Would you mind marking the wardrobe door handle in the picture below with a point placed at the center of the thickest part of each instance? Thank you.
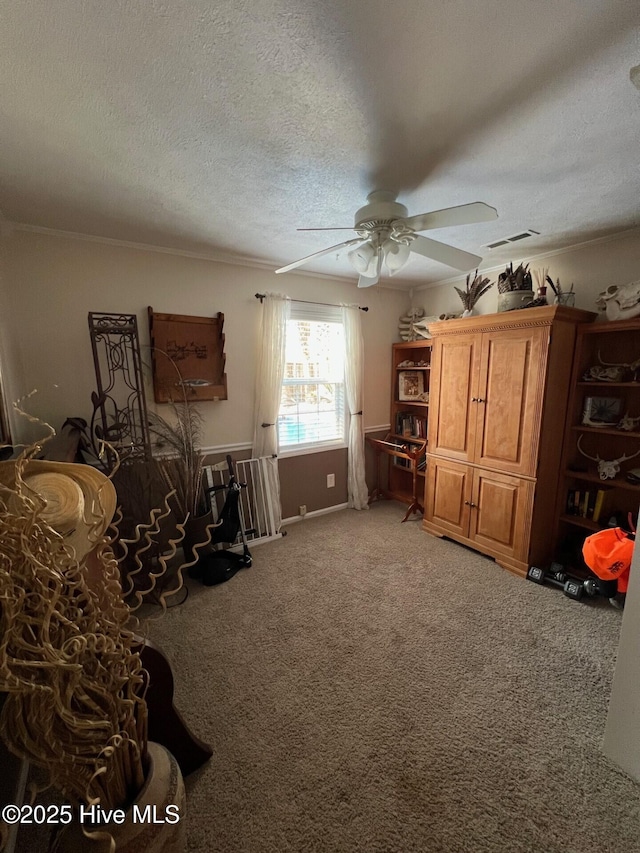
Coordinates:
(469, 503)
(474, 399)
(480, 400)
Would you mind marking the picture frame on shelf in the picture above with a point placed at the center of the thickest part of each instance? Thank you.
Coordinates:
(601, 411)
(410, 386)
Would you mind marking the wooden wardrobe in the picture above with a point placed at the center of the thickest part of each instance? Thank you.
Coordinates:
(498, 397)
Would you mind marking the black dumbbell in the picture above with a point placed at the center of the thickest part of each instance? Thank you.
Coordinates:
(591, 586)
(536, 574)
(542, 576)
(572, 587)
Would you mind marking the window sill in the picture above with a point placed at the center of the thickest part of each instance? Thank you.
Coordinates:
(303, 450)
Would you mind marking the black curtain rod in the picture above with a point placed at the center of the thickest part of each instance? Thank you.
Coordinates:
(261, 296)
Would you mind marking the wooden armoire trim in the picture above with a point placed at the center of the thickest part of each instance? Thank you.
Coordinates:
(522, 318)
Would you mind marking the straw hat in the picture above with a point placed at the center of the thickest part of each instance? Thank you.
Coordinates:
(79, 500)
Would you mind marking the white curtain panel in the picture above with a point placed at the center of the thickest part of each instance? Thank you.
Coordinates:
(270, 373)
(357, 492)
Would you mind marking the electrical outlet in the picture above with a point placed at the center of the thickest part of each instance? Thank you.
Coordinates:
(331, 480)
(302, 509)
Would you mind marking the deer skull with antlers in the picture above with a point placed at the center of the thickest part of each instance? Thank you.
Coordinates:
(607, 469)
(608, 371)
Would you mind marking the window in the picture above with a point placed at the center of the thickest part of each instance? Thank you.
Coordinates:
(312, 405)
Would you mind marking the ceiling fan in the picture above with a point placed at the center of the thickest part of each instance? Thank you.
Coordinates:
(386, 235)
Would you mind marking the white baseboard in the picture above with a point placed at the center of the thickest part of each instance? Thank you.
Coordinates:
(324, 511)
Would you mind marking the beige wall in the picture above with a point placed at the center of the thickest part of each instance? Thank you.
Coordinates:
(51, 282)
(591, 268)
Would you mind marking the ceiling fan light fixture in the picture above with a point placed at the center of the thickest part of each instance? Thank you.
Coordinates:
(364, 259)
(396, 255)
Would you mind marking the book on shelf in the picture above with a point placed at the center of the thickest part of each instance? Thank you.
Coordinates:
(603, 504)
(410, 425)
(399, 462)
(591, 504)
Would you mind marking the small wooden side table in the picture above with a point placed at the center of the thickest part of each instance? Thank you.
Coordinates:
(412, 452)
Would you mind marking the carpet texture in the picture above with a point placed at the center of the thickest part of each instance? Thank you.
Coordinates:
(367, 687)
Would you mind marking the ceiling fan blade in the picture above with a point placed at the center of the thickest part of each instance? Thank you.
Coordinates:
(445, 254)
(322, 252)
(464, 214)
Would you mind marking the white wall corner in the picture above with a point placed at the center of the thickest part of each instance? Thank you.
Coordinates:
(622, 732)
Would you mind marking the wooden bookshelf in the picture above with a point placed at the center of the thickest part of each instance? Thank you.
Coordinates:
(403, 450)
(616, 343)
(409, 417)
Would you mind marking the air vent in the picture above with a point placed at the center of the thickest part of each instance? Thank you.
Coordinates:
(523, 235)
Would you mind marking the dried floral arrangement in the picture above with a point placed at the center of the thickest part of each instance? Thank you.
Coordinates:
(474, 290)
(557, 288)
(178, 441)
(543, 279)
(69, 651)
(518, 279)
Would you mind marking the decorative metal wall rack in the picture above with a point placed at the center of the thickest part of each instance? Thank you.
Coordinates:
(120, 399)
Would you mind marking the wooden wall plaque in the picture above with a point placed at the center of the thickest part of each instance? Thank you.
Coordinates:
(187, 355)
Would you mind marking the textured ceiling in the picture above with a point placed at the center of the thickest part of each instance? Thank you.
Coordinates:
(221, 127)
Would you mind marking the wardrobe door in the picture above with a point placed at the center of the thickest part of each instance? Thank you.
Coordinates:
(509, 400)
(448, 496)
(501, 508)
(452, 416)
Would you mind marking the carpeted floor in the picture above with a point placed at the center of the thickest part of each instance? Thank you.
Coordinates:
(367, 687)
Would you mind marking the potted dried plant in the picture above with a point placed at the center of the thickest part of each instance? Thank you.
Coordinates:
(515, 287)
(70, 662)
(473, 291)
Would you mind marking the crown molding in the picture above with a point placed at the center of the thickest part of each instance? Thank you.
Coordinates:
(218, 257)
(215, 257)
(406, 285)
